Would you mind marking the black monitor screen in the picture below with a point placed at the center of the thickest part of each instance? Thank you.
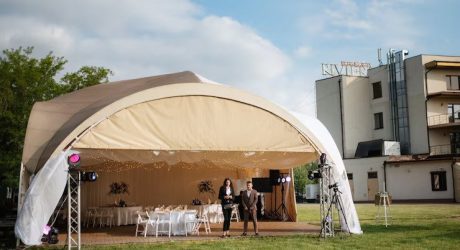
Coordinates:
(262, 185)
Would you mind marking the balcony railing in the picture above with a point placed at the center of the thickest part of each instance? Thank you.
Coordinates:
(447, 149)
(442, 119)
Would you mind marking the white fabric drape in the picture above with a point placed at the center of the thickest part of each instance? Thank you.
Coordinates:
(41, 199)
(319, 134)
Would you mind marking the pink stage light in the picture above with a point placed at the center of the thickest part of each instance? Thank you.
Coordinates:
(73, 160)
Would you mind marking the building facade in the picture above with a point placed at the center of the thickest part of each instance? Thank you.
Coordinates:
(398, 128)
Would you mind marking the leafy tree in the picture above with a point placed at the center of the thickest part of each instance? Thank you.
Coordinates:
(84, 77)
(25, 80)
(301, 177)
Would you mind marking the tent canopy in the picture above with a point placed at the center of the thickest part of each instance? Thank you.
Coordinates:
(172, 120)
(151, 114)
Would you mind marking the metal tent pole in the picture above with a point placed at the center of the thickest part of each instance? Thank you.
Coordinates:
(327, 226)
(73, 207)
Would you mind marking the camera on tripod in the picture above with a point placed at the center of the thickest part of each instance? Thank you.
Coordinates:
(335, 187)
(316, 174)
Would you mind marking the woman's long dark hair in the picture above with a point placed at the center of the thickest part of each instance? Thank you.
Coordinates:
(225, 184)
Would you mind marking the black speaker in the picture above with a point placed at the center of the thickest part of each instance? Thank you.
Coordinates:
(261, 206)
(274, 175)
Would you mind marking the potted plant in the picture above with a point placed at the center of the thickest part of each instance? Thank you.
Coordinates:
(205, 187)
(119, 189)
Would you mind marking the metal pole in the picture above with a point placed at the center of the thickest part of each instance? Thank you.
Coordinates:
(73, 202)
(327, 228)
(79, 211)
(69, 212)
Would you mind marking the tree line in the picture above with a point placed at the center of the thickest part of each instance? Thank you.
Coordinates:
(24, 80)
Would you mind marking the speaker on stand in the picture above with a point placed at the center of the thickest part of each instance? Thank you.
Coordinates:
(274, 176)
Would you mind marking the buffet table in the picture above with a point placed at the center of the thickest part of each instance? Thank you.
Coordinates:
(125, 215)
(177, 219)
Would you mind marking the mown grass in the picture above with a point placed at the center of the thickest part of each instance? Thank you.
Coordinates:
(414, 226)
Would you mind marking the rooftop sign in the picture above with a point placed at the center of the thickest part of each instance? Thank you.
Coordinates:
(345, 68)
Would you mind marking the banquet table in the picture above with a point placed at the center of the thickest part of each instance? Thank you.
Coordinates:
(177, 222)
(214, 212)
(125, 215)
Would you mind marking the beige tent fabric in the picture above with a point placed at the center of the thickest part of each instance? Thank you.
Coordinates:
(76, 121)
(117, 158)
(167, 123)
(195, 123)
(52, 121)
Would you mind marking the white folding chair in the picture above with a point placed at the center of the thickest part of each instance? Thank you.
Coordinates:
(97, 216)
(164, 218)
(152, 220)
(89, 216)
(141, 221)
(106, 217)
(235, 213)
(220, 214)
(202, 220)
(190, 218)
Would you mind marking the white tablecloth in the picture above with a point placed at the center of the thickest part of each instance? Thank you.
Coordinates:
(125, 215)
(177, 224)
(214, 212)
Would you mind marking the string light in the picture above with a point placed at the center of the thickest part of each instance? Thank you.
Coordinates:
(110, 160)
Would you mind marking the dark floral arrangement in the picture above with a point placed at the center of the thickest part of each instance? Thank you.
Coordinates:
(118, 188)
(206, 187)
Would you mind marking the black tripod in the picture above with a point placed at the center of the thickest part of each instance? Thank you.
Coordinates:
(282, 209)
(336, 199)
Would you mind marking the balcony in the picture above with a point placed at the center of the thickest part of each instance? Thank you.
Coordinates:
(448, 94)
(447, 149)
(443, 121)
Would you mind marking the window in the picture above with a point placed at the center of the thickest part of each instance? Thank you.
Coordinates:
(377, 89)
(372, 175)
(453, 82)
(454, 142)
(378, 120)
(438, 181)
(453, 111)
(350, 176)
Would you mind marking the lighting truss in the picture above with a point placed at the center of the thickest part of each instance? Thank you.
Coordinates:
(325, 199)
(73, 206)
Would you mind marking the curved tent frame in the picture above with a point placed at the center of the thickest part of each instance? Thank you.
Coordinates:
(55, 125)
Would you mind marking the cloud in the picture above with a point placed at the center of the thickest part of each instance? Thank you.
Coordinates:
(144, 38)
(380, 22)
(303, 51)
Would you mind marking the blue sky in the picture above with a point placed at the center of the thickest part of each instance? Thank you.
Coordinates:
(270, 48)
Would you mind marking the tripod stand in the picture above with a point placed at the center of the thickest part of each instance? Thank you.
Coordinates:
(337, 200)
(282, 209)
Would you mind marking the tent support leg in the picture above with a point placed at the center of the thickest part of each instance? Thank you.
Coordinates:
(327, 226)
(73, 206)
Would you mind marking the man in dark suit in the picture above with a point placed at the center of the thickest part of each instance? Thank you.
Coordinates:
(249, 200)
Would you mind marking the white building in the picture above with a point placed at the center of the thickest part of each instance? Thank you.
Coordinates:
(398, 127)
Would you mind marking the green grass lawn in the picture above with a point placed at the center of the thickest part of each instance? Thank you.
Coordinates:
(414, 226)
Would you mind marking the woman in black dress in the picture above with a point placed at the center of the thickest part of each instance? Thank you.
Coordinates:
(226, 195)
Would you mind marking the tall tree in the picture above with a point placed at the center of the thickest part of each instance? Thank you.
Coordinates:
(25, 80)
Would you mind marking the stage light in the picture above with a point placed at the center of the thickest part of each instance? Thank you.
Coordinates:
(89, 176)
(50, 235)
(283, 180)
(288, 178)
(314, 174)
(73, 160)
(322, 159)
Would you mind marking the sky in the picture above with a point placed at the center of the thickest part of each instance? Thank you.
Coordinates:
(270, 48)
